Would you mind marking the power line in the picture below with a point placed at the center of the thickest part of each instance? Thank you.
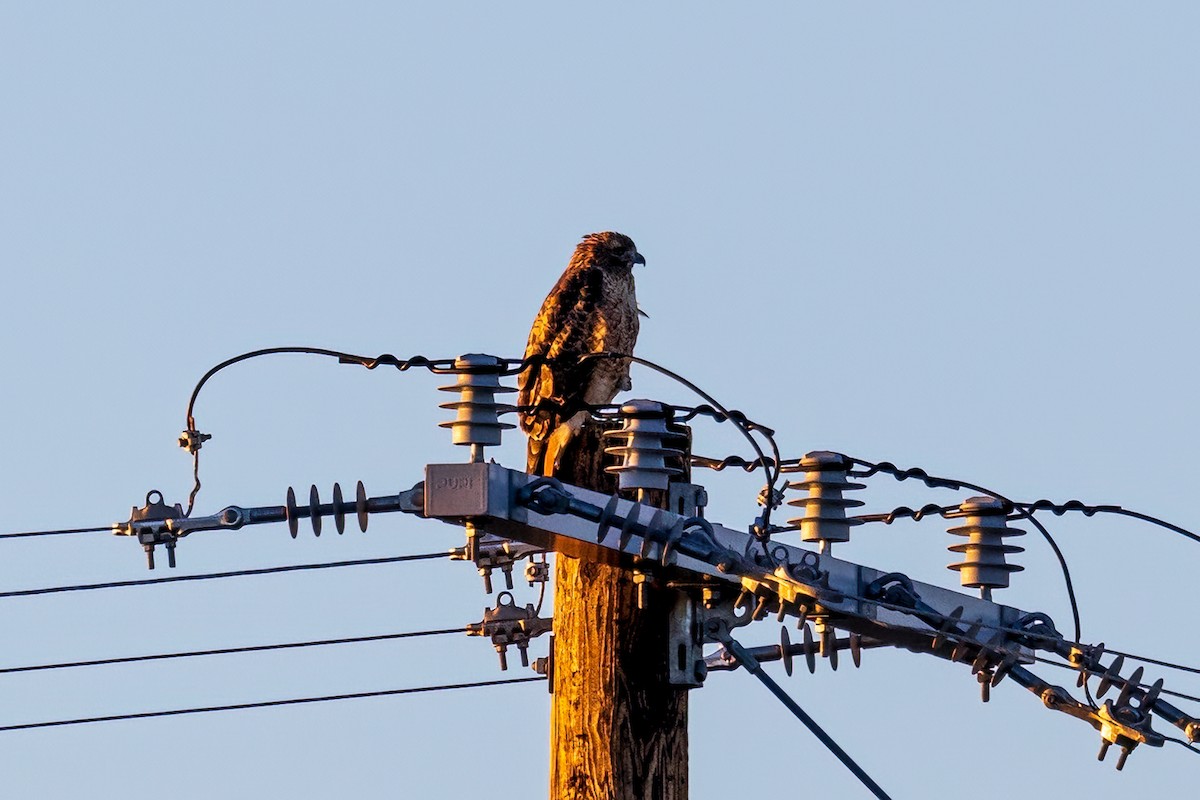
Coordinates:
(1064, 665)
(1089, 510)
(175, 712)
(935, 482)
(228, 650)
(213, 575)
(1020, 632)
(59, 532)
(751, 664)
(1156, 661)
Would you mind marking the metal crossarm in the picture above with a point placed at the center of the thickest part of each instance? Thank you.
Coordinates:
(879, 608)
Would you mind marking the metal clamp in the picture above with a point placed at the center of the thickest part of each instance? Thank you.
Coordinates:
(506, 624)
(150, 524)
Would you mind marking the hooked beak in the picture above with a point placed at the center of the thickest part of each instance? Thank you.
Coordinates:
(638, 258)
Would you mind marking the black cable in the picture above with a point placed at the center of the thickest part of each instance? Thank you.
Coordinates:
(191, 429)
(904, 512)
(59, 532)
(935, 482)
(1019, 632)
(1151, 520)
(1157, 662)
(770, 468)
(211, 575)
(266, 351)
(719, 465)
(1058, 509)
(264, 704)
(228, 650)
(1191, 748)
(1097, 673)
(752, 665)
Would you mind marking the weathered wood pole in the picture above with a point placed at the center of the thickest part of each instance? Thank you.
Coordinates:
(618, 729)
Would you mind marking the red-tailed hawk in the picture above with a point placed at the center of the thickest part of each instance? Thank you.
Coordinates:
(591, 309)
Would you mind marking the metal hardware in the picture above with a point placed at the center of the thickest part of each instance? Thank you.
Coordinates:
(162, 524)
(537, 571)
(492, 552)
(506, 625)
(787, 650)
(151, 524)
(685, 662)
(714, 563)
(192, 440)
(686, 499)
(545, 665)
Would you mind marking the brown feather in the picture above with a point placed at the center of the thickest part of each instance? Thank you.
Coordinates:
(592, 308)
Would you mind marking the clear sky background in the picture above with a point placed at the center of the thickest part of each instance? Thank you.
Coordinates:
(956, 236)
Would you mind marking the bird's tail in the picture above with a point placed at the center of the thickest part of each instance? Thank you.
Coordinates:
(535, 456)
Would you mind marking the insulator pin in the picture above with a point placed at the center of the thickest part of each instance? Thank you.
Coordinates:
(643, 453)
(984, 566)
(825, 507)
(477, 421)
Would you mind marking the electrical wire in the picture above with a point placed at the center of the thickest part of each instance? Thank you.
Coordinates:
(229, 362)
(1155, 661)
(264, 704)
(771, 468)
(342, 357)
(1144, 686)
(59, 532)
(193, 439)
(258, 648)
(1191, 748)
(541, 591)
(214, 575)
(753, 667)
(935, 482)
(1030, 634)
(1058, 509)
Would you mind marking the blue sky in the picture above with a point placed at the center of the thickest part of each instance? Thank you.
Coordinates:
(958, 236)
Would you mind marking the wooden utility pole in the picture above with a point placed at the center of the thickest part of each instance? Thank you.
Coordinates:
(618, 729)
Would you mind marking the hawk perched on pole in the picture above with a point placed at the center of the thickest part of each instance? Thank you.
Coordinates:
(591, 309)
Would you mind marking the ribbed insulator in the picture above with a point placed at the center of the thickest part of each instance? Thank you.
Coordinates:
(643, 452)
(986, 526)
(825, 507)
(477, 422)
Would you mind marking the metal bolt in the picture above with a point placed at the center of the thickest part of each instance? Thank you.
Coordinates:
(640, 578)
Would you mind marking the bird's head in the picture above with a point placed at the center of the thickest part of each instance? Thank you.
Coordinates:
(610, 249)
